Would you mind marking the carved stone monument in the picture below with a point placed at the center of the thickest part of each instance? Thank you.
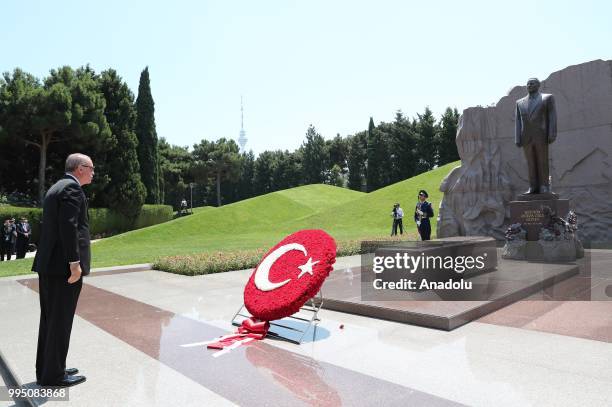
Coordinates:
(494, 172)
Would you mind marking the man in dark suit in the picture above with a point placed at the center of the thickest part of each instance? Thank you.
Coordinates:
(535, 129)
(63, 256)
(6, 234)
(23, 237)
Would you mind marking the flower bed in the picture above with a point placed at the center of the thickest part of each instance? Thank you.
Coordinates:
(219, 262)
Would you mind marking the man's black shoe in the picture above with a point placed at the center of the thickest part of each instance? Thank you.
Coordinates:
(68, 381)
(71, 371)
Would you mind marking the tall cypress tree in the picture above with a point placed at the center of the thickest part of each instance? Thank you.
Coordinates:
(378, 158)
(125, 192)
(147, 139)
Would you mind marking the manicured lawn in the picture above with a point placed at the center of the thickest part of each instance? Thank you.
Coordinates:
(262, 221)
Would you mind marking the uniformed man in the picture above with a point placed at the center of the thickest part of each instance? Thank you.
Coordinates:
(422, 213)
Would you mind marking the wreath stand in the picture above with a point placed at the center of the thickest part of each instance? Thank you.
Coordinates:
(310, 310)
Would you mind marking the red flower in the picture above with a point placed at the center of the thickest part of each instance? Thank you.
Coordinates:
(290, 274)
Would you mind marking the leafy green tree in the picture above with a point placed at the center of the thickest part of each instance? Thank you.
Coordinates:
(335, 176)
(125, 192)
(68, 107)
(18, 94)
(176, 167)
(146, 133)
(218, 160)
(447, 132)
(338, 152)
(314, 157)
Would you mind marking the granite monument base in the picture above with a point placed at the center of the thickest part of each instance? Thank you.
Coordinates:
(477, 255)
(530, 213)
(510, 282)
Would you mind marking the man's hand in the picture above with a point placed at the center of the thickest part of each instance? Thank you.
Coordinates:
(75, 273)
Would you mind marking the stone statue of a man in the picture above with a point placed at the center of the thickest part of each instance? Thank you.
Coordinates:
(536, 128)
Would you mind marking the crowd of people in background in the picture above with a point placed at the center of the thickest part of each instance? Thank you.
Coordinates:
(14, 238)
(422, 213)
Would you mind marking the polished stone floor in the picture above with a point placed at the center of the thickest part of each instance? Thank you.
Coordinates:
(553, 349)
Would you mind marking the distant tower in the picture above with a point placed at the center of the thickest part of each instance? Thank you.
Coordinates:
(242, 140)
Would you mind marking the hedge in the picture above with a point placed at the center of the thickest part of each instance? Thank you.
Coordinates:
(102, 221)
(218, 262)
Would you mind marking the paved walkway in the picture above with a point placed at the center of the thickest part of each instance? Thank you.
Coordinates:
(130, 328)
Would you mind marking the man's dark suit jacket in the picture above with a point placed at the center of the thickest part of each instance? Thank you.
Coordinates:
(538, 124)
(65, 230)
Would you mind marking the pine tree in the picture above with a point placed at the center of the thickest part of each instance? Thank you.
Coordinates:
(402, 142)
(356, 160)
(314, 156)
(426, 141)
(447, 132)
(148, 155)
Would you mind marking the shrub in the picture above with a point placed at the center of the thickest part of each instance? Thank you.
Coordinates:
(218, 262)
(102, 221)
(34, 216)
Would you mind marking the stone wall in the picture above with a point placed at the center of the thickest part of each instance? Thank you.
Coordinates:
(493, 170)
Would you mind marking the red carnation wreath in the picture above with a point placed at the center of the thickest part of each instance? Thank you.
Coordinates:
(290, 274)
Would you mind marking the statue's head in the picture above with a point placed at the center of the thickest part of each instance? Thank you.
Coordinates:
(533, 85)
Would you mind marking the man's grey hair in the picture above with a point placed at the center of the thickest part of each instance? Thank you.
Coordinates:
(74, 160)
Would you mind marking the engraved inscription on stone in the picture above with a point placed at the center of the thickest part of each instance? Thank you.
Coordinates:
(532, 217)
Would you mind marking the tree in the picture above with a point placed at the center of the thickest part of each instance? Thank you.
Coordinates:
(218, 160)
(125, 192)
(447, 132)
(148, 154)
(335, 176)
(338, 152)
(17, 106)
(377, 170)
(402, 142)
(286, 170)
(356, 160)
(425, 141)
(67, 107)
(262, 177)
(247, 172)
(314, 157)
(176, 165)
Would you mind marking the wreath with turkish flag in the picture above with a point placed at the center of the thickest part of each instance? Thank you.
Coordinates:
(290, 274)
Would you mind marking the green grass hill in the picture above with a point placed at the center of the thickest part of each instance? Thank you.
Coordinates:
(262, 221)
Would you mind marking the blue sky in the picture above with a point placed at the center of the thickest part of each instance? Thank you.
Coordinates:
(330, 63)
